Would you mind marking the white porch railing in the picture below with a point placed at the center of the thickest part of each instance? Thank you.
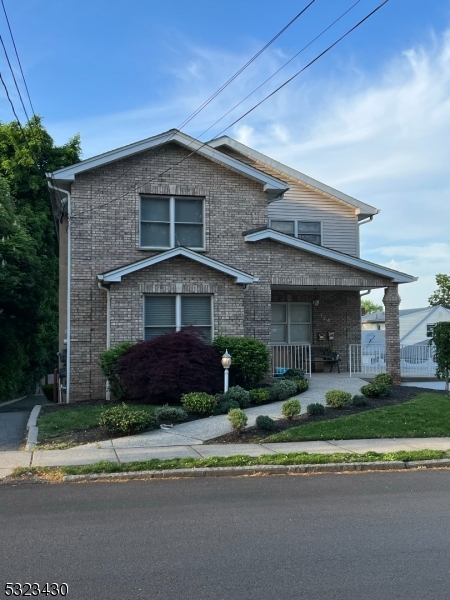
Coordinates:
(291, 356)
(371, 359)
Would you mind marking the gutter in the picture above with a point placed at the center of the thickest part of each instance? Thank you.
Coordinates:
(69, 277)
(105, 288)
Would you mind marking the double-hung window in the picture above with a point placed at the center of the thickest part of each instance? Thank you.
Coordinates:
(291, 323)
(166, 314)
(167, 222)
(309, 231)
(430, 327)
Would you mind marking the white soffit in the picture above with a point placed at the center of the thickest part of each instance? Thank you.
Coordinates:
(358, 263)
(116, 275)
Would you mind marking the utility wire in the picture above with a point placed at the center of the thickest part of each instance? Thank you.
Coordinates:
(14, 78)
(242, 116)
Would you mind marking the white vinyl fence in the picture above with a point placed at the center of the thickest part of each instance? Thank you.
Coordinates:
(291, 356)
(371, 359)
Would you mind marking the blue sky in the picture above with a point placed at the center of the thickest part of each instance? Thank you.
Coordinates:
(371, 118)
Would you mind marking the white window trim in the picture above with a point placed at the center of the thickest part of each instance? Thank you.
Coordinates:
(178, 297)
(430, 332)
(172, 200)
(296, 222)
(288, 323)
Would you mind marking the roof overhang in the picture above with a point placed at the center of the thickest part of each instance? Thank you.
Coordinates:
(363, 210)
(115, 276)
(273, 187)
(346, 259)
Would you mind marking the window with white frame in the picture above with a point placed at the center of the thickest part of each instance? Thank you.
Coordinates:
(309, 231)
(291, 323)
(167, 222)
(166, 314)
(430, 327)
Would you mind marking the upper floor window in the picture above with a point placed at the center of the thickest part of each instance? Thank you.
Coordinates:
(430, 327)
(309, 231)
(167, 222)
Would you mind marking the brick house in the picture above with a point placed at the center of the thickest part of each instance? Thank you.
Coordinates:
(169, 231)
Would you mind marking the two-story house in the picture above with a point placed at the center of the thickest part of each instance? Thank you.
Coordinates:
(169, 231)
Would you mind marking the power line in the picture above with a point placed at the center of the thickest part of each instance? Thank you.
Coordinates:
(242, 116)
(14, 78)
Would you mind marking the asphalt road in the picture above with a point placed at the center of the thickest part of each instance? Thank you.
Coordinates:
(361, 537)
(13, 422)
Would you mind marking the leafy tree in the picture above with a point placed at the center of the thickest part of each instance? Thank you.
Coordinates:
(29, 254)
(441, 340)
(371, 307)
(441, 297)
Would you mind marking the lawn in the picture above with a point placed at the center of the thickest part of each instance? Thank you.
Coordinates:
(427, 415)
(55, 424)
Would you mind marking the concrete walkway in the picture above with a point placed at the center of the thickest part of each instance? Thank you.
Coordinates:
(186, 440)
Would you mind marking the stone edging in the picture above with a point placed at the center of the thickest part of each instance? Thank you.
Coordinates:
(262, 469)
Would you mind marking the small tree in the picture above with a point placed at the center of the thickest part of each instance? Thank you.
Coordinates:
(370, 307)
(108, 360)
(441, 340)
(441, 297)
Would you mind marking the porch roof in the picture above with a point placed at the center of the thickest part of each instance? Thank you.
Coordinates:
(116, 275)
(340, 257)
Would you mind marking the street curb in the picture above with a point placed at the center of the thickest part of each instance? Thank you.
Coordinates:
(11, 401)
(32, 428)
(261, 469)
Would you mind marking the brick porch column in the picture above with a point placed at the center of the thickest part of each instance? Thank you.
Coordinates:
(391, 301)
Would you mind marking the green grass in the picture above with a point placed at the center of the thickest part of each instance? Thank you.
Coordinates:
(427, 415)
(54, 424)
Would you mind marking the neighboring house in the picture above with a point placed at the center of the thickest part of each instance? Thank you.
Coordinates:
(168, 232)
(416, 324)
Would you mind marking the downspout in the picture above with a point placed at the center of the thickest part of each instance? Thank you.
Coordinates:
(363, 222)
(108, 330)
(69, 274)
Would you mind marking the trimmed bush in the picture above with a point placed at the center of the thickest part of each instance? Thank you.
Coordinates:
(123, 420)
(225, 407)
(376, 390)
(302, 385)
(294, 374)
(291, 408)
(359, 400)
(199, 403)
(162, 369)
(172, 414)
(282, 389)
(265, 423)
(315, 409)
(259, 395)
(383, 378)
(47, 390)
(250, 358)
(337, 398)
(237, 418)
(109, 360)
(237, 394)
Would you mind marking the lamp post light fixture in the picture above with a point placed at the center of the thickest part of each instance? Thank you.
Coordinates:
(226, 363)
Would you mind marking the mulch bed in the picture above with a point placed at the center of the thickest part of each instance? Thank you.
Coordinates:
(399, 395)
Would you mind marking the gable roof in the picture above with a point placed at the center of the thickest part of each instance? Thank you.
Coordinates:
(363, 210)
(116, 275)
(379, 317)
(346, 259)
(273, 187)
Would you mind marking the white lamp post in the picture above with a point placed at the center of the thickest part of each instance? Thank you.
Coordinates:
(226, 363)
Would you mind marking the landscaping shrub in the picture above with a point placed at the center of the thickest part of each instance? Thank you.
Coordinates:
(376, 390)
(294, 374)
(199, 403)
(237, 394)
(108, 361)
(282, 389)
(171, 414)
(47, 390)
(164, 368)
(265, 423)
(359, 400)
(259, 395)
(237, 418)
(227, 405)
(315, 409)
(250, 358)
(337, 398)
(291, 408)
(123, 420)
(383, 378)
(302, 385)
